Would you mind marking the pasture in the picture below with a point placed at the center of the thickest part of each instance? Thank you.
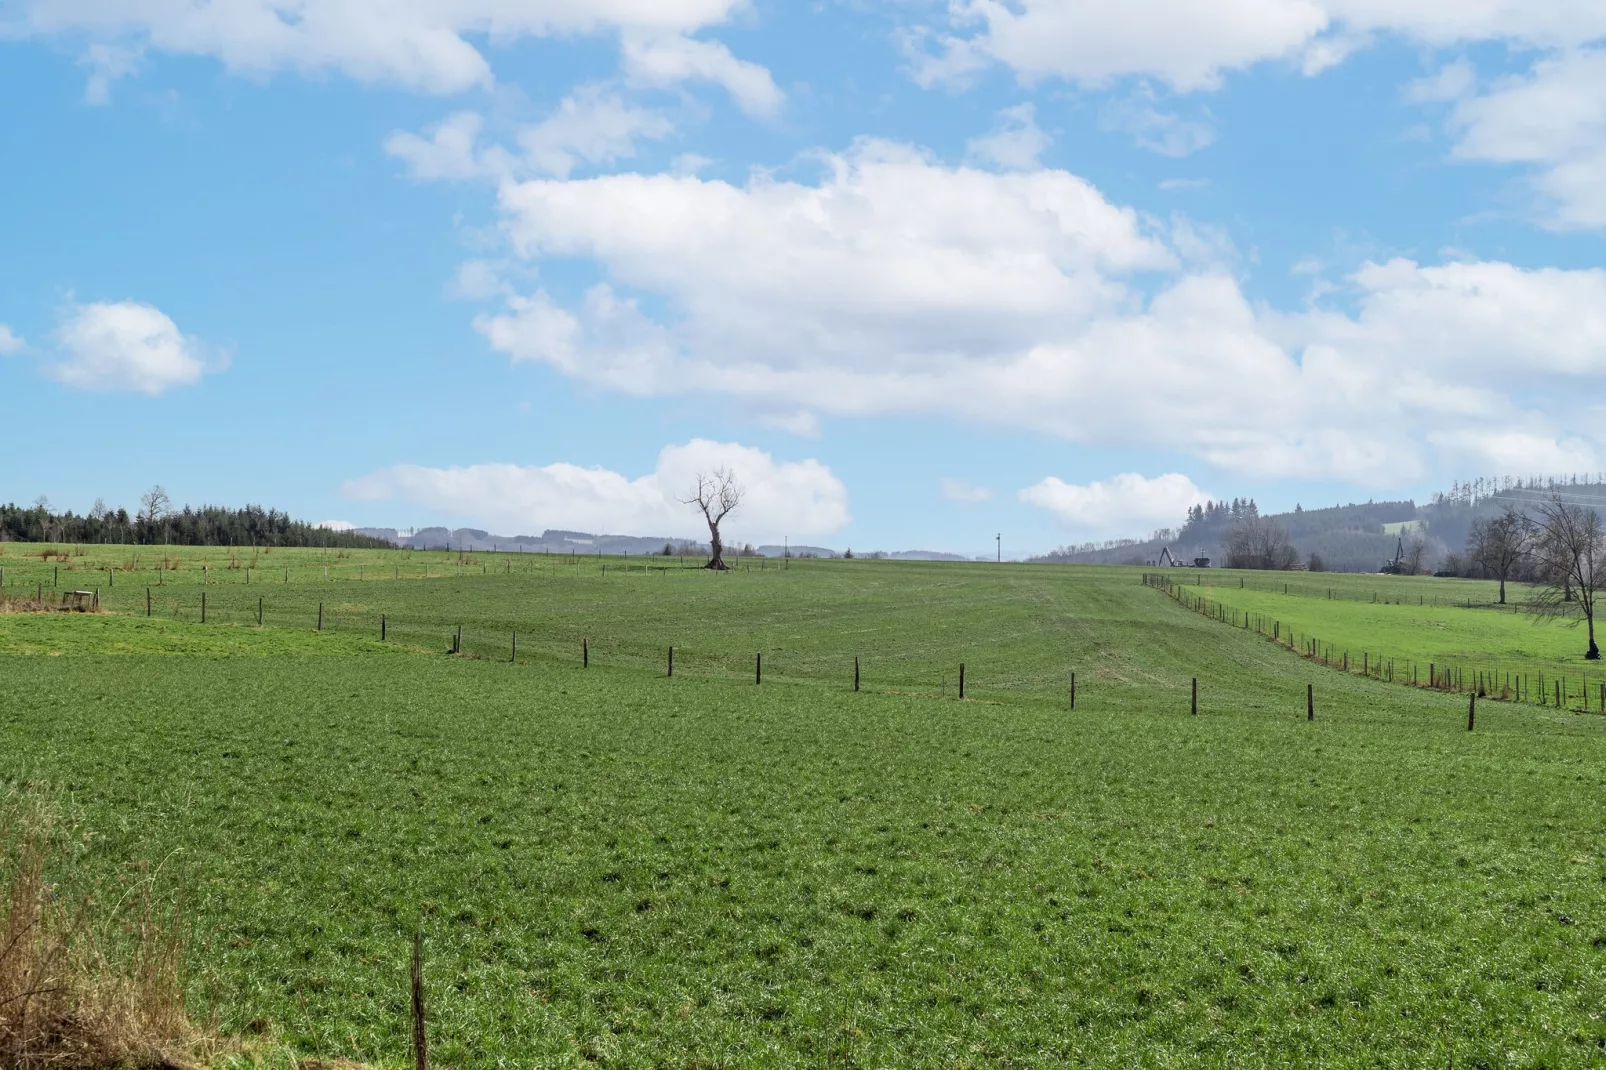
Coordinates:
(613, 867)
(1418, 625)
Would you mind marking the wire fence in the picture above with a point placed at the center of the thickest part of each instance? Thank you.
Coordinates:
(1384, 590)
(167, 568)
(485, 620)
(1507, 684)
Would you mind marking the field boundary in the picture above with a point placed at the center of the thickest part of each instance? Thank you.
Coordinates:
(1489, 682)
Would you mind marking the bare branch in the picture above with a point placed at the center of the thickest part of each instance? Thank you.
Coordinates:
(716, 494)
(1570, 552)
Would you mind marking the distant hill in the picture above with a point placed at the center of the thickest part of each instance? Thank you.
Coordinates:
(558, 541)
(1349, 538)
(551, 541)
(796, 550)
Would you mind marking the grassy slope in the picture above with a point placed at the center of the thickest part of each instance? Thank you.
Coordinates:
(640, 871)
(1406, 626)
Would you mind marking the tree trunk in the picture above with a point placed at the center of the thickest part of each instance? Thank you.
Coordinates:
(1502, 590)
(716, 547)
(1594, 651)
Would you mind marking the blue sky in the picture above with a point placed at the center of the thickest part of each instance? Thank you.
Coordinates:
(918, 272)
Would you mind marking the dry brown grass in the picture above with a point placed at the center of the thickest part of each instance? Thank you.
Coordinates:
(8, 604)
(85, 984)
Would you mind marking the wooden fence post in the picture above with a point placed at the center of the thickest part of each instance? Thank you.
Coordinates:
(1310, 702)
(1195, 709)
(585, 653)
(203, 607)
(1073, 690)
(758, 668)
(420, 1033)
(259, 610)
(148, 602)
(856, 657)
(961, 679)
(1472, 709)
(320, 616)
(671, 661)
(381, 627)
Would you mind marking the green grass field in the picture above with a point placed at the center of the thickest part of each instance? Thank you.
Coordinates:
(1421, 625)
(616, 868)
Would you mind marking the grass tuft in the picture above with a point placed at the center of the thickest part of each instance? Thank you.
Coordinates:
(83, 984)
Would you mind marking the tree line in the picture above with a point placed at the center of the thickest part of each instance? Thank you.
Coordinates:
(157, 522)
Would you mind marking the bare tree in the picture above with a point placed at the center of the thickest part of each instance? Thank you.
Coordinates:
(1255, 542)
(154, 508)
(1570, 548)
(1416, 554)
(718, 495)
(1499, 544)
(154, 504)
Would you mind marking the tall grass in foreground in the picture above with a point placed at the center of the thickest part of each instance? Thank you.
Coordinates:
(84, 982)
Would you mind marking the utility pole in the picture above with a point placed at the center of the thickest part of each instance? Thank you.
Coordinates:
(999, 538)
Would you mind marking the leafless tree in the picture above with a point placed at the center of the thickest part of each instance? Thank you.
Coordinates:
(1255, 542)
(1416, 556)
(154, 504)
(718, 495)
(1570, 549)
(1499, 544)
(154, 508)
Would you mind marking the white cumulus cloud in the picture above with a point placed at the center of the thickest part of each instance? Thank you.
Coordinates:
(1125, 502)
(797, 498)
(450, 150)
(1190, 45)
(126, 346)
(591, 126)
(10, 342)
(897, 284)
(416, 44)
(1552, 120)
(1015, 143)
(669, 60)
